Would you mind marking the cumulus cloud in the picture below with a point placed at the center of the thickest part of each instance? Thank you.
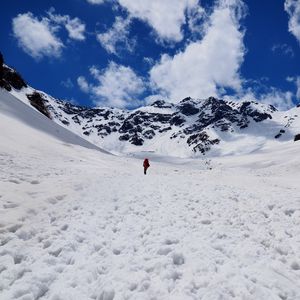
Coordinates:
(36, 37)
(205, 67)
(117, 86)
(292, 7)
(83, 84)
(74, 26)
(117, 37)
(280, 99)
(165, 17)
(39, 37)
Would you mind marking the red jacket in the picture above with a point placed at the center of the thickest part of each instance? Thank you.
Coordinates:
(146, 163)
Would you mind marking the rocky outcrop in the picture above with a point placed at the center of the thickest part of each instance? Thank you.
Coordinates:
(9, 78)
(37, 101)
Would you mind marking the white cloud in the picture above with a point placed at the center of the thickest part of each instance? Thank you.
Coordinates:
(95, 1)
(39, 38)
(117, 86)
(83, 84)
(165, 17)
(36, 37)
(196, 18)
(281, 100)
(206, 66)
(298, 87)
(283, 48)
(292, 7)
(67, 83)
(75, 27)
(117, 37)
(296, 81)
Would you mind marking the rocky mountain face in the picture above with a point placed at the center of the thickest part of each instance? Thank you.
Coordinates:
(195, 125)
(190, 128)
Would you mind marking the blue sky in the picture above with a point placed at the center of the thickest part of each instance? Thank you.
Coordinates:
(127, 53)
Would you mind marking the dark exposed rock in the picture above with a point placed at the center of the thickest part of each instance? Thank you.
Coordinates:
(38, 102)
(186, 99)
(165, 129)
(161, 104)
(136, 140)
(65, 122)
(297, 137)
(177, 120)
(188, 109)
(10, 78)
(255, 114)
(76, 120)
(127, 125)
(161, 118)
(1, 60)
(279, 134)
(202, 141)
(149, 134)
(124, 137)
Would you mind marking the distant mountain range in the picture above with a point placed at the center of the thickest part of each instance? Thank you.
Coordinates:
(193, 127)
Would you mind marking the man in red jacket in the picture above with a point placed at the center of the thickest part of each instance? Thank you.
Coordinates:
(146, 165)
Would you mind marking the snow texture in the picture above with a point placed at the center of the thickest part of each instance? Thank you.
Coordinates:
(77, 223)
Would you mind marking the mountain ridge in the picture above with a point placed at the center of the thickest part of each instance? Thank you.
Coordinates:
(190, 128)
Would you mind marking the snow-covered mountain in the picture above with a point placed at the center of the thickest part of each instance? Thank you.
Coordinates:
(77, 223)
(191, 128)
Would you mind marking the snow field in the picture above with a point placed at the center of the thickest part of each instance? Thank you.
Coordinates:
(76, 223)
(100, 229)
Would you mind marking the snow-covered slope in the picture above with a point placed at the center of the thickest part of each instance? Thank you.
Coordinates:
(12, 107)
(76, 223)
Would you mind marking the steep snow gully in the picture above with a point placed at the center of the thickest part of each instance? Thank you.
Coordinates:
(76, 223)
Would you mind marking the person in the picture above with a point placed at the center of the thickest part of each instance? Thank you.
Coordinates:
(146, 165)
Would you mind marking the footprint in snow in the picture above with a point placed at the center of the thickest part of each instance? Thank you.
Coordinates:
(116, 251)
(289, 212)
(169, 241)
(60, 197)
(64, 227)
(206, 222)
(10, 205)
(52, 200)
(14, 228)
(178, 259)
(34, 182)
(14, 181)
(164, 251)
(295, 266)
